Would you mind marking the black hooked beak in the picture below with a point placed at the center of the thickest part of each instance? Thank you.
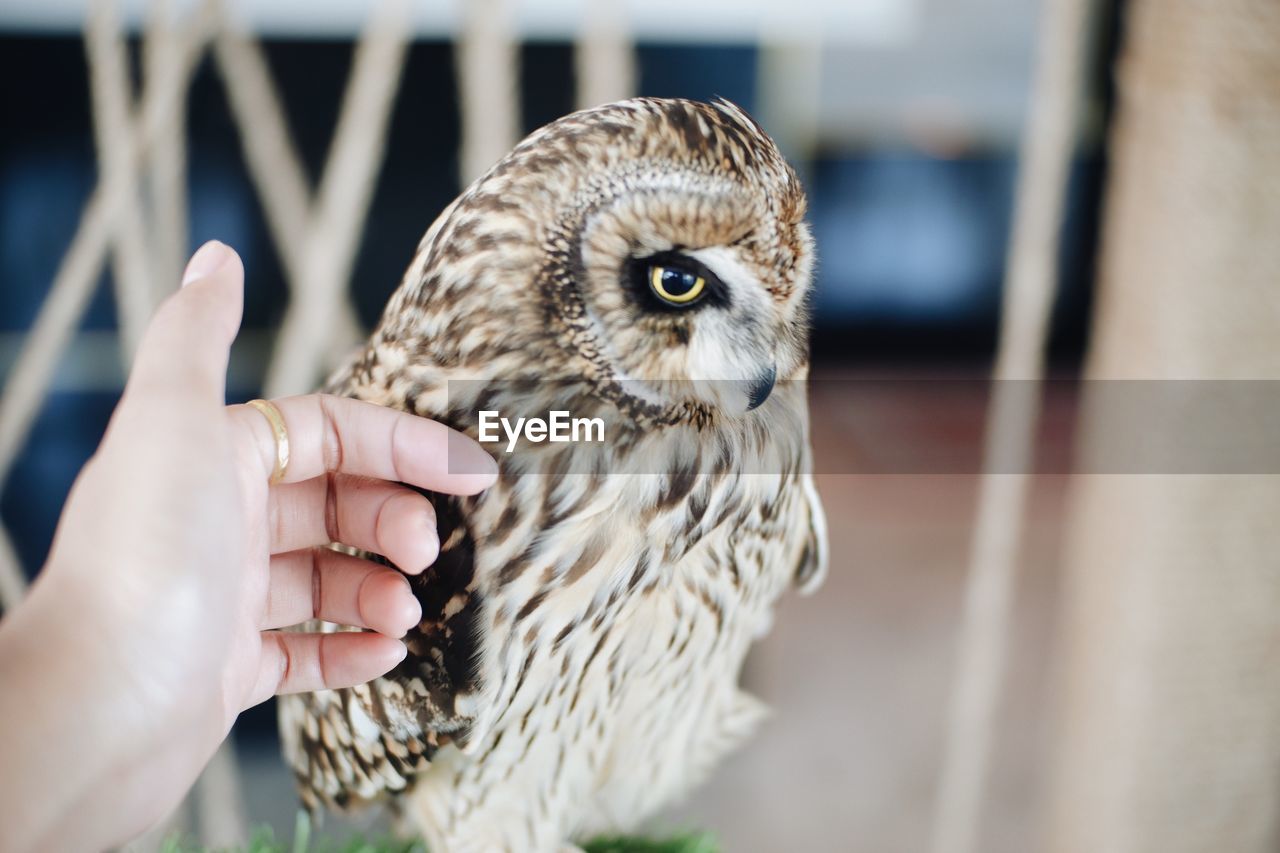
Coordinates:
(761, 388)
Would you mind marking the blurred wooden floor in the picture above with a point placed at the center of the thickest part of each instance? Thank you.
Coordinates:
(859, 674)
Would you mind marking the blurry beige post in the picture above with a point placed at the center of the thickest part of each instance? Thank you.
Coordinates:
(167, 165)
(487, 57)
(1030, 282)
(604, 57)
(1170, 735)
(112, 93)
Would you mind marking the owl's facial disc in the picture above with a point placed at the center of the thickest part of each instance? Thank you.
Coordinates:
(693, 282)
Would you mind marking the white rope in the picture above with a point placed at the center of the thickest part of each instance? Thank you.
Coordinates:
(604, 56)
(274, 163)
(488, 96)
(341, 207)
(1045, 159)
(317, 238)
(29, 379)
(112, 99)
(167, 173)
(272, 157)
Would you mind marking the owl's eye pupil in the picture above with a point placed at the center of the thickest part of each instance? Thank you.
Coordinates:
(678, 282)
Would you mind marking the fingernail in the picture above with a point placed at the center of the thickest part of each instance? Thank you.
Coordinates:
(414, 608)
(415, 612)
(207, 260)
(471, 458)
(433, 545)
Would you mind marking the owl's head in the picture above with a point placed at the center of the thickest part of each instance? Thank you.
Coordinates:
(632, 244)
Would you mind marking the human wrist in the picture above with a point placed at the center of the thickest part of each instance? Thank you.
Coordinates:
(50, 723)
(75, 699)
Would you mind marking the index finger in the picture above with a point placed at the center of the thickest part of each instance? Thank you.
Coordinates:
(330, 434)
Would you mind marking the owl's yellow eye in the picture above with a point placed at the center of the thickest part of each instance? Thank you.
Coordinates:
(675, 286)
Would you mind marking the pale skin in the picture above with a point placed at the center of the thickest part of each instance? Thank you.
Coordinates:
(153, 623)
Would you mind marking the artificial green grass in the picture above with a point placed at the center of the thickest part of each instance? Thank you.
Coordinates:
(696, 843)
(264, 841)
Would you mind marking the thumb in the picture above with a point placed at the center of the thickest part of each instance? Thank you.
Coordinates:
(185, 348)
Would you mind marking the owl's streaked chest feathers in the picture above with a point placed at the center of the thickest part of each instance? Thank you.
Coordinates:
(584, 626)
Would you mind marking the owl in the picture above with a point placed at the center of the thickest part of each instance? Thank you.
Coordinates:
(585, 624)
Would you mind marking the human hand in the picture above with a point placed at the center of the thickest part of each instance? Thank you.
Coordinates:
(174, 561)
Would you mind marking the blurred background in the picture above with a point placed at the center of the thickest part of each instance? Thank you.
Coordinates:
(904, 119)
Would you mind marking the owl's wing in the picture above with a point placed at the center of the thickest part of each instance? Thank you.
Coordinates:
(354, 745)
(811, 569)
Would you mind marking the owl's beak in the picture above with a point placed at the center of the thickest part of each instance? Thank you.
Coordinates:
(761, 388)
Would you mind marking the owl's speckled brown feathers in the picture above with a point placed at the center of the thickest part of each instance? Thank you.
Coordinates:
(584, 626)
